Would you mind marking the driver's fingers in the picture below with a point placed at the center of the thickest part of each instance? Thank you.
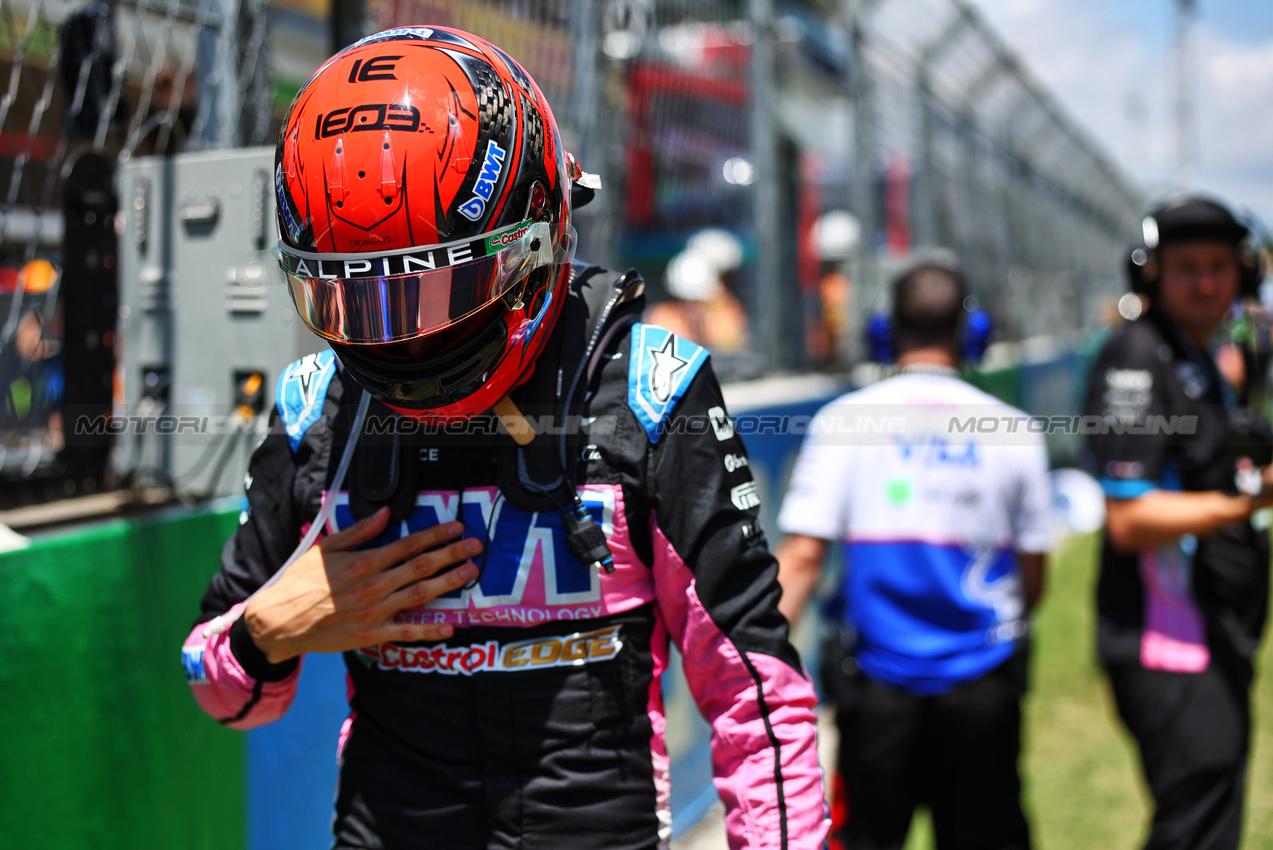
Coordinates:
(425, 591)
(392, 554)
(357, 534)
(424, 565)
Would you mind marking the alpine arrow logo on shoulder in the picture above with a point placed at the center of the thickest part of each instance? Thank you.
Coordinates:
(667, 365)
(304, 375)
(302, 388)
(660, 371)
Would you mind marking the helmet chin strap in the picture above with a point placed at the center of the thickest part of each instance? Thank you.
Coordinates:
(522, 432)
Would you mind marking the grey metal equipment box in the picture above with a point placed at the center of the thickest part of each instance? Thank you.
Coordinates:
(190, 338)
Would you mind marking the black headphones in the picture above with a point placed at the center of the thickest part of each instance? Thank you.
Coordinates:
(1192, 218)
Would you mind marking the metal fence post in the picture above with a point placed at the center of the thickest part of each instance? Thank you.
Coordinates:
(773, 284)
(867, 284)
(590, 142)
(348, 23)
(220, 101)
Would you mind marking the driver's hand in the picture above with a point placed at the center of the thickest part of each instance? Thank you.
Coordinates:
(333, 599)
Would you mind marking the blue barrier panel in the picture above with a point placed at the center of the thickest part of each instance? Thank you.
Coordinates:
(291, 767)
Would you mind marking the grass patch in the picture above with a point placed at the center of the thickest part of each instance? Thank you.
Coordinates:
(1082, 779)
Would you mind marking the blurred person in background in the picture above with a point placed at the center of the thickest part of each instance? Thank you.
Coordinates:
(704, 308)
(944, 539)
(31, 368)
(1184, 577)
(835, 235)
(504, 669)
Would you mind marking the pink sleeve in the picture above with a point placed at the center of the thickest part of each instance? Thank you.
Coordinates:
(764, 730)
(224, 690)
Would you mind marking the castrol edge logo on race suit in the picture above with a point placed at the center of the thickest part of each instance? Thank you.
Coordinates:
(571, 650)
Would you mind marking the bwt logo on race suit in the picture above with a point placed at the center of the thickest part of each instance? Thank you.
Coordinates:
(571, 650)
(192, 664)
(528, 573)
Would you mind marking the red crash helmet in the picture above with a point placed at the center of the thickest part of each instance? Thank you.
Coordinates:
(424, 207)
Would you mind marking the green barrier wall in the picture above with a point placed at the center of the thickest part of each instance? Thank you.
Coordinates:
(1003, 384)
(104, 745)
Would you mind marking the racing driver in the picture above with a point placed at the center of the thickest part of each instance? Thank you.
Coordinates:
(524, 493)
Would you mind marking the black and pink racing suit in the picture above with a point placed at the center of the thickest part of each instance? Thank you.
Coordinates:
(539, 723)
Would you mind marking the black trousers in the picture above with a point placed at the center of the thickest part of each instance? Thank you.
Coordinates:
(1193, 730)
(956, 752)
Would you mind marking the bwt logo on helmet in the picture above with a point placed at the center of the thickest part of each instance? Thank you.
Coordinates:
(473, 208)
(369, 116)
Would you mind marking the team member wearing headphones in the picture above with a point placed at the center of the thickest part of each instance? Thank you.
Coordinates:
(1184, 573)
(944, 530)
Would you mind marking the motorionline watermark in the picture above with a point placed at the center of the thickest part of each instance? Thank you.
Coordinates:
(184, 427)
(102, 425)
(840, 424)
(990, 427)
(1087, 426)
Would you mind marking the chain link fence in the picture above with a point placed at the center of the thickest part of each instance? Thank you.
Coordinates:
(83, 87)
(756, 118)
(724, 131)
(1033, 210)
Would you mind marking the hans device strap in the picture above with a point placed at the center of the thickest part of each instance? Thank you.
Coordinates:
(600, 307)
